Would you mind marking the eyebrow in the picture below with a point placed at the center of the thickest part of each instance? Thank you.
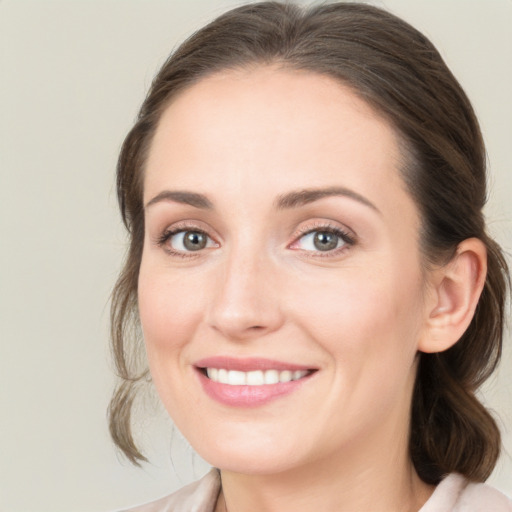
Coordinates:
(306, 196)
(293, 199)
(183, 197)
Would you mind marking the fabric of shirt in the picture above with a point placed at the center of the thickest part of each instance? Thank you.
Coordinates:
(454, 494)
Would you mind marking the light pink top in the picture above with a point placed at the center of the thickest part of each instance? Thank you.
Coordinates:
(454, 494)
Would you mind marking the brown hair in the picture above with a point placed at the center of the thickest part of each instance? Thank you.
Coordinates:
(399, 73)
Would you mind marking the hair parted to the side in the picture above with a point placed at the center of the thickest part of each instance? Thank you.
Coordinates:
(401, 75)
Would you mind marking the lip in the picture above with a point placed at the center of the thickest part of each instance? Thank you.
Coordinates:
(248, 396)
(248, 364)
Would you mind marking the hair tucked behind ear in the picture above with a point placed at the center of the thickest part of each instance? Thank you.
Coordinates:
(401, 75)
(451, 430)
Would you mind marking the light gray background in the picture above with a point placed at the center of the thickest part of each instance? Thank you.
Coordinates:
(72, 75)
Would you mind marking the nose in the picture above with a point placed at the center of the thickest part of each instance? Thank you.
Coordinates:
(246, 302)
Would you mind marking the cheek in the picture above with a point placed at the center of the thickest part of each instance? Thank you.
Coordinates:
(369, 329)
(169, 311)
(373, 316)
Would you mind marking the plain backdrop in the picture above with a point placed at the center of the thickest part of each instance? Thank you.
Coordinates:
(72, 75)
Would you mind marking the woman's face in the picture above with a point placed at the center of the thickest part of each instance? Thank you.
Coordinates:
(280, 244)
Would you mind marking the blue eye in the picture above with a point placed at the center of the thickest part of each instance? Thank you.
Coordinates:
(322, 240)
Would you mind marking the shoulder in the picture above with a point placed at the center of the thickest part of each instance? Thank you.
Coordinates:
(457, 494)
(200, 496)
(481, 498)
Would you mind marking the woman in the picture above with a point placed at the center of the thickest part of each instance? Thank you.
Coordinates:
(309, 264)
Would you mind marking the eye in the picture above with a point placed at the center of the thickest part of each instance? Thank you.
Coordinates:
(182, 241)
(323, 240)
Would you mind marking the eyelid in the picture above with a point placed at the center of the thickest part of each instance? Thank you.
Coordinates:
(346, 234)
(163, 236)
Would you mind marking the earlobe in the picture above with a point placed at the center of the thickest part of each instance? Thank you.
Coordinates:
(455, 290)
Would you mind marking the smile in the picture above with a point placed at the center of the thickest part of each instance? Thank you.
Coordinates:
(254, 378)
(250, 382)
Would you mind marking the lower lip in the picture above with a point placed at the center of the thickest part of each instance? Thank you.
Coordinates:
(248, 396)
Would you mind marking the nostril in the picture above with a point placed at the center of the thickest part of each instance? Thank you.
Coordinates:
(239, 316)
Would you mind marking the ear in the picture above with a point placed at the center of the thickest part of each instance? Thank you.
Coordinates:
(454, 291)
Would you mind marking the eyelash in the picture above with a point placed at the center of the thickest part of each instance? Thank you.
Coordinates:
(346, 237)
(161, 241)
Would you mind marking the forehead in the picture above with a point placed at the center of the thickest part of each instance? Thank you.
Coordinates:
(267, 127)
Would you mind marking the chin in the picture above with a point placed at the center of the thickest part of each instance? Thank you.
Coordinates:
(246, 456)
(250, 464)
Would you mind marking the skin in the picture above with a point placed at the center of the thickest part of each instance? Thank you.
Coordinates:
(358, 314)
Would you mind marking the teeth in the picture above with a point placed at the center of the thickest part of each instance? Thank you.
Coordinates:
(224, 376)
(271, 377)
(213, 373)
(236, 378)
(286, 376)
(253, 378)
(298, 374)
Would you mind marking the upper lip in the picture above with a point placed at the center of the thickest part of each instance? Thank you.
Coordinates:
(248, 364)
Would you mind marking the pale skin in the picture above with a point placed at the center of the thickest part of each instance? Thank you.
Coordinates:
(245, 142)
